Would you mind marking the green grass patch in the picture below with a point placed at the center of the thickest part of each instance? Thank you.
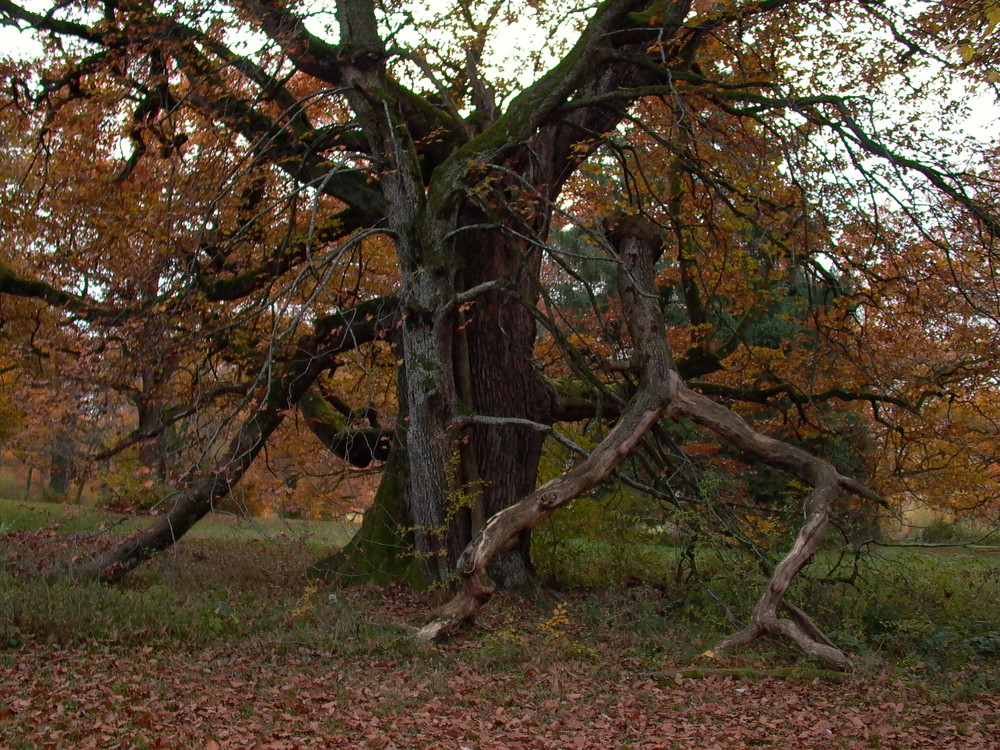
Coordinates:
(244, 584)
(16, 515)
(938, 607)
(596, 563)
(228, 578)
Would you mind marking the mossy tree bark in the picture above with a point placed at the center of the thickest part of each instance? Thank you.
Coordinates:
(359, 446)
(382, 550)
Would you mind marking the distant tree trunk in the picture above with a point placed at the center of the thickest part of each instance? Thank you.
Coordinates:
(149, 402)
(204, 491)
(152, 450)
(61, 467)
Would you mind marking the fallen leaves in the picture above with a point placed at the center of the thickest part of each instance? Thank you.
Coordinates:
(99, 698)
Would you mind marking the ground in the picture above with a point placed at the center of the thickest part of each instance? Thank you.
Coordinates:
(225, 642)
(107, 698)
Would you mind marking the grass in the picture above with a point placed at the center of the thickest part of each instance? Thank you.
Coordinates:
(936, 606)
(234, 581)
(223, 640)
(16, 515)
(229, 577)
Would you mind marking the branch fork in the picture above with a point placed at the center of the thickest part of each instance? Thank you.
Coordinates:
(662, 394)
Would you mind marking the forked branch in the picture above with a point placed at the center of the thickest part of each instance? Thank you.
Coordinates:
(661, 393)
(639, 247)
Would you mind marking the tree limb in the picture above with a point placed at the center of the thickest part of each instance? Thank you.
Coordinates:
(202, 490)
(793, 394)
(661, 393)
(359, 447)
(11, 283)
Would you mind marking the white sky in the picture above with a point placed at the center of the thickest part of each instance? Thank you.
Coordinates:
(509, 49)
(14, 43)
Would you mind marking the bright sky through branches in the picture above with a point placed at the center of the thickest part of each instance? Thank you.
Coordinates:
(523, 39)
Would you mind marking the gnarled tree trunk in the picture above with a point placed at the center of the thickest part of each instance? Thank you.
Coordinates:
(661, 393)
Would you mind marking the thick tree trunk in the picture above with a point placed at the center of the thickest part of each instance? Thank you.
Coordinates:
(427, 291)
(661, 393)
(639, 247)
(501, 185)
(501, 334)
(430, 399)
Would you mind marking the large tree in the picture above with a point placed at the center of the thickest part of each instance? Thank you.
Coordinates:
(252, 166)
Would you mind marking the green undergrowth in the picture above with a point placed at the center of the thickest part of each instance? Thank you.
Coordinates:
(929, 612)
(933, 608)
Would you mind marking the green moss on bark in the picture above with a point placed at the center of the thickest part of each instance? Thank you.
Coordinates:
(382, 551)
